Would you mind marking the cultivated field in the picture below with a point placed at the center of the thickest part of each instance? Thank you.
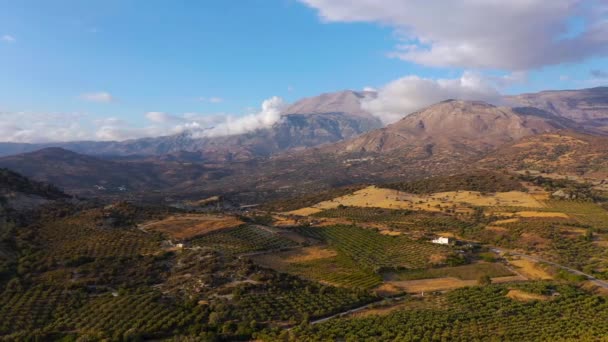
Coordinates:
(448, 283)
(188, 226)
(459, 201)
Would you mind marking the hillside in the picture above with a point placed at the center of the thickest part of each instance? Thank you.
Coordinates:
(454, 127)
(566, 153)
(88, 175)
(585, 106)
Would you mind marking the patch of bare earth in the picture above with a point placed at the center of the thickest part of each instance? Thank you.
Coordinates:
(531, 269)
(522, 296)
(448, 283)
(189, 226)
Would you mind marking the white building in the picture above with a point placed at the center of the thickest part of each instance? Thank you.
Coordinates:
(443, 240)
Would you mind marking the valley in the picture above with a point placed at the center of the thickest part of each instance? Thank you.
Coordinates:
(458, 222)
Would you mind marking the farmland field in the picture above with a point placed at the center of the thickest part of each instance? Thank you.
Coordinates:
(188, 226)
(465, 272)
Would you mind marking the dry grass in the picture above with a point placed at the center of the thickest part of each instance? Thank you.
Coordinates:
(393, 199)
(525, 296)
(389, 232)
(189, 226)
(441, 284)
(511, 220)
(530, 269)
(541, 214)
(280, 261)
(387, 289)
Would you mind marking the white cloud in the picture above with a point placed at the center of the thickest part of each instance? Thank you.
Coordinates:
(55, 127)
(488, 34)
(7, 38)
(41, 127)
(269, 114)
(411, 93)
(370, 89)
(102, 97)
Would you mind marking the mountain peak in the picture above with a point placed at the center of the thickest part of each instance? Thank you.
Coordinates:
(454, 125)
(344, 102)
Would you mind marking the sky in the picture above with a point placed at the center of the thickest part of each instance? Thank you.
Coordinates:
(121, 69)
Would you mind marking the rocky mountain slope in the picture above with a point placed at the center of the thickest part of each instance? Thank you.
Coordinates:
(585, 106)
(461, 127)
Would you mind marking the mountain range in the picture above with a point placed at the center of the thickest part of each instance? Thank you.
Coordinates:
(309, 122)
(329, 141)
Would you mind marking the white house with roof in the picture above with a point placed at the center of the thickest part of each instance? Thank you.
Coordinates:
(443, 240)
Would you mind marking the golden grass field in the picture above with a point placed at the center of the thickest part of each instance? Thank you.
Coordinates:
(525, 296)
(392, 199)
(280, 261)
(448, 283)
(530, 269)
(188, 226)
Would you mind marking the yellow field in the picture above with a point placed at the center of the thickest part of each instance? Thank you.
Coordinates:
(188, 226)
(530, 269)
(525, 296)
(440, 284)
(393, 199)
(512, 220)
(280, 261)
(540, 214)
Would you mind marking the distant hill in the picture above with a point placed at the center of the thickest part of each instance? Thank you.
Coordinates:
(307, 123)
(89, 175)
(585, 106)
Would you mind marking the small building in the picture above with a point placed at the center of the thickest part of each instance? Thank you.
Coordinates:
(443, 240)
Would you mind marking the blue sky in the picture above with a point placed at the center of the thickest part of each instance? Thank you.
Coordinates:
(118, 59)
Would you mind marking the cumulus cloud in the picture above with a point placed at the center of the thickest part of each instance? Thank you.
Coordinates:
(7, 38)
(269, 114)
(411, 93)
(102, 97)
(41, 127)
(45, 127)
(492, 34)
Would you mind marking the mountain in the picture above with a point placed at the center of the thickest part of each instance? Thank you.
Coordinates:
(307, 123)
(452, 126)
(585, 106)
(441, 139)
